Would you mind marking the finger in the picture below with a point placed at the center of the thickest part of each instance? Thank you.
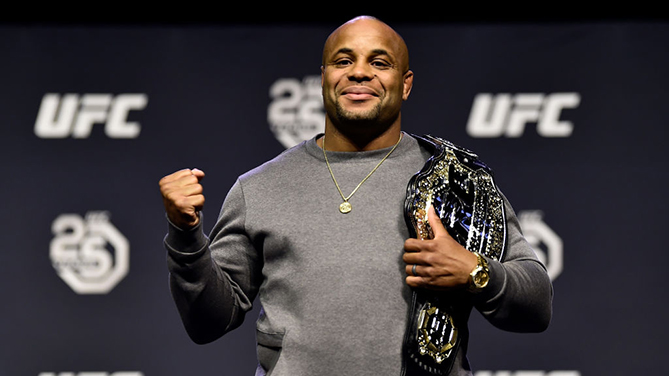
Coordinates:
(174, 179)
(190, 190)
(179, 193)
(176, 175)
(197, 202)
(414, 277)
(412, 258)
(416, 281)
(185, 186)
(190, 204)
(430, 283)
(184, 212)
(437, 226)
(189, 177)
(413, 270)
(412, 245)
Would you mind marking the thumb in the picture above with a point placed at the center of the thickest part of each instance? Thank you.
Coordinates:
(199, 174)
(438, 229)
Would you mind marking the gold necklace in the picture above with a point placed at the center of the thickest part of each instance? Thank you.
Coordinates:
(345, 206)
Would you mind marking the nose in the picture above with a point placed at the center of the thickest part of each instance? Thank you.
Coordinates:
(360, 72)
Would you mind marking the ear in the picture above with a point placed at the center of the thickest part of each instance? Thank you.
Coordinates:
(408, 84)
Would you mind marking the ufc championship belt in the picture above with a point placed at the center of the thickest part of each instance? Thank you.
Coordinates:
(461, 189)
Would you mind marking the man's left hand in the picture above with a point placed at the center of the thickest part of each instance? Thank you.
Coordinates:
(441, 263)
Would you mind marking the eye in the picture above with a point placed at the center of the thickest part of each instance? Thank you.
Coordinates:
(342, 62)
(381, 64)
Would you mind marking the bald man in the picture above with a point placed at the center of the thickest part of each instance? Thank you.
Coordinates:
(365, 79)
(318, 235)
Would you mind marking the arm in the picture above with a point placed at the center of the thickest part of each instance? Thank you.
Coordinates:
(519, 295)
(203, 273)
(517, 298)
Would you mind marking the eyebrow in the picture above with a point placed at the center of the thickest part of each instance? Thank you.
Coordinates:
(344, 50)
(377, 51)
(380, 51)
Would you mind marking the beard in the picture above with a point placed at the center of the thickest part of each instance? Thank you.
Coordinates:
(360, 124)
(371, 116)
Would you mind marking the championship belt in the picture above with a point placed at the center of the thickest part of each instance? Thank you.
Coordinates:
(461, 189)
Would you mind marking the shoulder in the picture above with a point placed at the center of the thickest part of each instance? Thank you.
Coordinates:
(288, 161)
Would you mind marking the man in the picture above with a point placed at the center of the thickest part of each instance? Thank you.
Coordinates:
(318, 234)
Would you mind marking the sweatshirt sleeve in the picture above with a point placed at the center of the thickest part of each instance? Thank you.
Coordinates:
(519, 295)
(213, 280)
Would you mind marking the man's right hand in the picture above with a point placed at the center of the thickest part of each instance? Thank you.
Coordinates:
(182, 197)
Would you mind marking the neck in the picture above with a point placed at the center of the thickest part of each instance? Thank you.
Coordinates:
(338, 140)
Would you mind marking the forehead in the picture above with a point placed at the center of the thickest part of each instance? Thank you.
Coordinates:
(364, 36)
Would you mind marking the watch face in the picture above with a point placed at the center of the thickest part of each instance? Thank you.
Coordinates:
(481, 278)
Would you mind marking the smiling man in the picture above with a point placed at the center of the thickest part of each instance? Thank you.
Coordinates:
(366, 78)
(318, 234)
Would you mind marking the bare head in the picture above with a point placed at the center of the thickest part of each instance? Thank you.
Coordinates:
(365, 78)
(400, 46)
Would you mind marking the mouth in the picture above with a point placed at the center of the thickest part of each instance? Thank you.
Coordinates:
(358, 93)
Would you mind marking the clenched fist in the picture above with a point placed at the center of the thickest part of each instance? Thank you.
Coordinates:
(182, 197)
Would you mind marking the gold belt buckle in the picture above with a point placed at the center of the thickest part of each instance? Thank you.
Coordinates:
(437, 334)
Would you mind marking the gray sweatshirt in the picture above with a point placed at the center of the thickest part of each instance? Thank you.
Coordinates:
(331, 285)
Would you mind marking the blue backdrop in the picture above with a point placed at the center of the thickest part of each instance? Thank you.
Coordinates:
(571, 116)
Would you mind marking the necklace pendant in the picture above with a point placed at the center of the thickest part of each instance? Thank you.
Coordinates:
(345, 207)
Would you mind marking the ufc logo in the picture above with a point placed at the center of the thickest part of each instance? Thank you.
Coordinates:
(74, 116)
(506, 114)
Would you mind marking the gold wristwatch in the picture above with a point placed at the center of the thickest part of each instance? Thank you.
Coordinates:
(480, 276)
